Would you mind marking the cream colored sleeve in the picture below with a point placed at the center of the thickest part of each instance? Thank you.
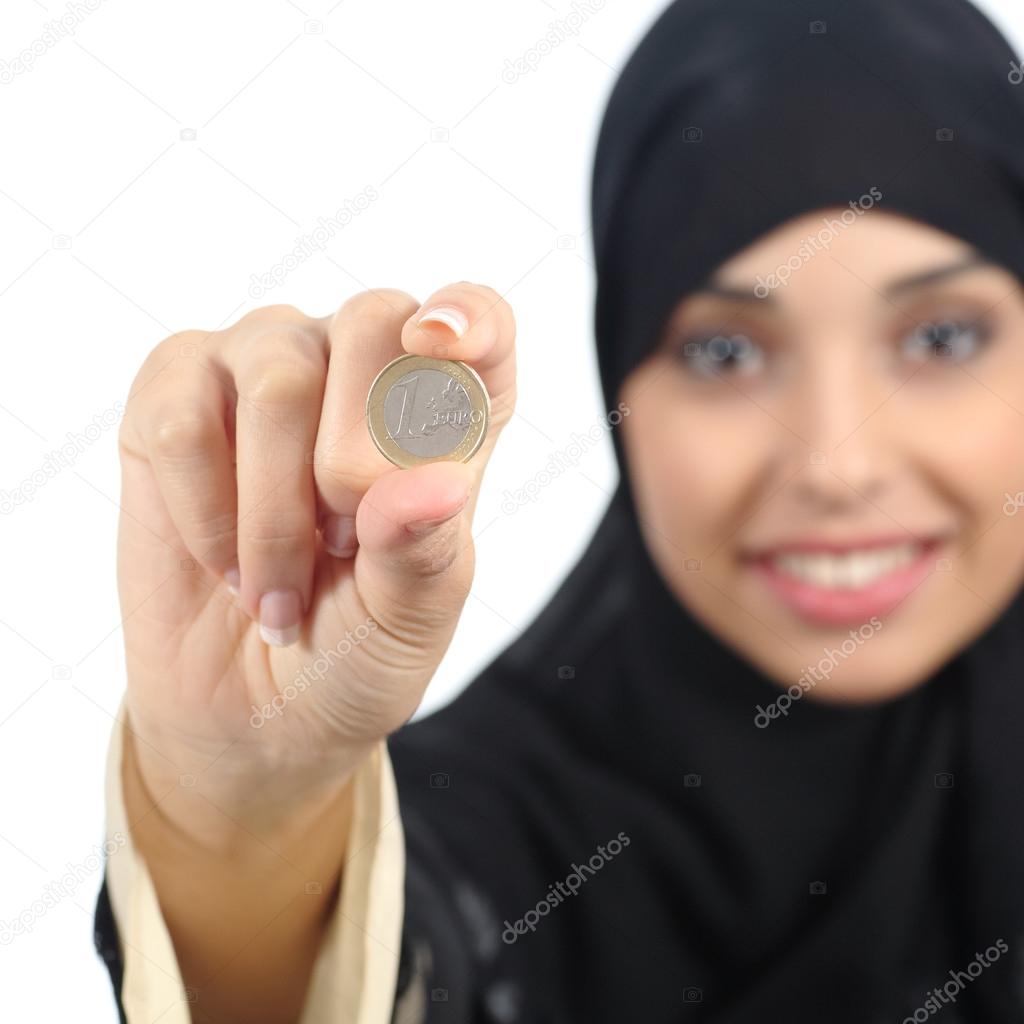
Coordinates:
(354, 977)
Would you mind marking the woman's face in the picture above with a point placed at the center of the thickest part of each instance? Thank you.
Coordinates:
(822, 467)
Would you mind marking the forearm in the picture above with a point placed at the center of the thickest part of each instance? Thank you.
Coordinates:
(246, 883)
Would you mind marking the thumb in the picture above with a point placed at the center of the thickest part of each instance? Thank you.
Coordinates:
(414, 564)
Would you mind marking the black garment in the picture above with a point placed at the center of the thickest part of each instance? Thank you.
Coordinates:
(843, 863)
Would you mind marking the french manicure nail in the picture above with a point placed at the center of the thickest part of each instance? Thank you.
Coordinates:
(339, 533)
(232, 580)
(452, 318)
(280, 614)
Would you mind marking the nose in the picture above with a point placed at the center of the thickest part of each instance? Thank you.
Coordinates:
(837, 409)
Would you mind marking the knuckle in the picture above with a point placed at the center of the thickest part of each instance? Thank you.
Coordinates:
(180, 343)
(215, 537)
(282, 383)
(270, 535)
(432, 563)
(338, 466)
(440, 554)
(159, 357)
(378, 303)
(183, 434)
(299, 342)
(273, 330)
(281, 312)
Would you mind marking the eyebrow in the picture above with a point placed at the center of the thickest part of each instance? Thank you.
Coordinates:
(903, 284)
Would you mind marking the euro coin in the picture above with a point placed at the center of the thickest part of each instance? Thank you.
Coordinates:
(421, 410)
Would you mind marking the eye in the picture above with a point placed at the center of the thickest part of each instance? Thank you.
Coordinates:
(954, 340)
(711, 356)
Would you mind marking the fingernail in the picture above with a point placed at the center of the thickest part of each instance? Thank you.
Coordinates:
(426, 525)
(233, 580)
(280, 613)
(339, 533)
(453, 318)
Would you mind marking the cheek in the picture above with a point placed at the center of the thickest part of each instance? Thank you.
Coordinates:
(980, 456)
(978, 434)
(994, 463)
(977, 446)
(692, 468)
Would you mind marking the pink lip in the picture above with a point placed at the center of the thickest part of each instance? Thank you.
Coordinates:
(835, 607)
(812, 544)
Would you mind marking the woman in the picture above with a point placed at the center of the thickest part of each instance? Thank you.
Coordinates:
(758, 759)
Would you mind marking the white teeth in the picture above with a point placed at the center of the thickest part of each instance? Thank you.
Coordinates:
(850, 571)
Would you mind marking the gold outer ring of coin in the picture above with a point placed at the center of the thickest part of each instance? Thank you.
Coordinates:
(462, 373)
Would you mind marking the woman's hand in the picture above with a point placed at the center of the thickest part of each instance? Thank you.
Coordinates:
(236, 446)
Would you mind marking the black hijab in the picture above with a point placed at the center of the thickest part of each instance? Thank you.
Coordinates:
(848, 863)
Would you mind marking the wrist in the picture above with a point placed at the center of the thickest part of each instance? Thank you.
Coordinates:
(226, 798)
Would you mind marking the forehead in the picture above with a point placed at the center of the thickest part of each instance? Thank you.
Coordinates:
(842, 232)
(835, 265)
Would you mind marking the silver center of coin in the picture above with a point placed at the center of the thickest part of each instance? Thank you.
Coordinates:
(427, 413)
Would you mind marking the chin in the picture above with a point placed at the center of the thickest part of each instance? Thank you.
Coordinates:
(868, 678)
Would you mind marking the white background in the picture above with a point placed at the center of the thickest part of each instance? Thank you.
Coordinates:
(118, 230)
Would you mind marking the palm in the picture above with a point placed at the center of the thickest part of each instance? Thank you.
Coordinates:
(198, 660)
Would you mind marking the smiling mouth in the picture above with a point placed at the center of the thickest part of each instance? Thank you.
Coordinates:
(851, 570)
(835, 583)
